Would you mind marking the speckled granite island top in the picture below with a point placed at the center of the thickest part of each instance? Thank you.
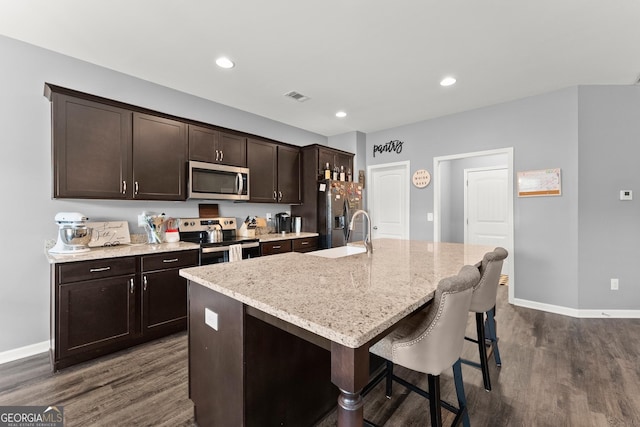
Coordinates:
(347, 300)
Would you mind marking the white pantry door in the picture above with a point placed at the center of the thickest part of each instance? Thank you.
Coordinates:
(388, 193)
(486, 207)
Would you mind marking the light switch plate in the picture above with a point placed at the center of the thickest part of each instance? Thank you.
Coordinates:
(211, 318)
(626, 195)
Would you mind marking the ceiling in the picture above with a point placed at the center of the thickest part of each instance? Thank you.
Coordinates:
(380, 61)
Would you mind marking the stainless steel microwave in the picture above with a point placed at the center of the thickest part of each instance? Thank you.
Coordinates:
(213, 181)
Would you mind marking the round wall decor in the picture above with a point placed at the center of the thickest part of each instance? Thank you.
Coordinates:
(421, 178)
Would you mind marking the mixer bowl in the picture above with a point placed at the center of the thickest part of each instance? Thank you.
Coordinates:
(77, 236)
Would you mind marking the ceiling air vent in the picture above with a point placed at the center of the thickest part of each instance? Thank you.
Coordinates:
(297, 96)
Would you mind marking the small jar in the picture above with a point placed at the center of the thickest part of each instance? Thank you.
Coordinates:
(172, 236)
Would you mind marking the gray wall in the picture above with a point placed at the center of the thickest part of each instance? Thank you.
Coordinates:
(544, 133)
(25, 171)
(609, 228)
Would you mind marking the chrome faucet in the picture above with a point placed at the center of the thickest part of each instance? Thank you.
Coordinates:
(367, 239)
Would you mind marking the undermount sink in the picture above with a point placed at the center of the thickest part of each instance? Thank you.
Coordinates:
(339, 252)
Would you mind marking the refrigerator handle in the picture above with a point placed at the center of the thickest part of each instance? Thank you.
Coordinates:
(347, 219)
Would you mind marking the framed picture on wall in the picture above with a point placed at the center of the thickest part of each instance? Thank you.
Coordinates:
(542, 182)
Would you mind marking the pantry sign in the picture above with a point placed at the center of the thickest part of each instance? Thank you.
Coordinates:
(394, 146)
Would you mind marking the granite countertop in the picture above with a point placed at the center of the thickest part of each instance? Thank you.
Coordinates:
(117, 251)
(347, 300)
(272, 237)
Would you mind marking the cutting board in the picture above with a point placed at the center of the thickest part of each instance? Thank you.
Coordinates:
(109, 233)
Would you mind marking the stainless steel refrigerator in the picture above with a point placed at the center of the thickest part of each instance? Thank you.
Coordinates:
(337, 202)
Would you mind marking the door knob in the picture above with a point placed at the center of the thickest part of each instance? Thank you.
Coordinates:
(375, 227)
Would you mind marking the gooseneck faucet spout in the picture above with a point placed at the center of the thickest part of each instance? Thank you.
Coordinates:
(367, 239)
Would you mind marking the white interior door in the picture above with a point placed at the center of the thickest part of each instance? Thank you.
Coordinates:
(486, 207)
(388, 194)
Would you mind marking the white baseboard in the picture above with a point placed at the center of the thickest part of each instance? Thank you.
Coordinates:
(22, 352)
(573, 312)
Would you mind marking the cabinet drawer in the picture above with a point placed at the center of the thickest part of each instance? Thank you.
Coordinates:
(278, 247)
(305, 245)
(87, 270)
(170, 260)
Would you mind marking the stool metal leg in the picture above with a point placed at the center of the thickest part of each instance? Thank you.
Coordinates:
(389, 379)
(434, 401)
(482, 350)
(492, 335)
(462, 399)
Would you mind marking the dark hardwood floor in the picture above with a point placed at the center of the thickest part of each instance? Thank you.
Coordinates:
(556, 371)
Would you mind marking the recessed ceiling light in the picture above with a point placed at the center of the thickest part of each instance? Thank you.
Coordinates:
(447, 81)
(341, 114)
(224, 62)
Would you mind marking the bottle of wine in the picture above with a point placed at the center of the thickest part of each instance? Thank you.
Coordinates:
(327, 171)
(341, 173)
(335, 173)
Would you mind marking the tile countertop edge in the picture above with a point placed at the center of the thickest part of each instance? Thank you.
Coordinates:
(273, 237)
(117, 251)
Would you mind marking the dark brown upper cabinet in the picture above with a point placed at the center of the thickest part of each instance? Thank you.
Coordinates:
(275, 172)
(91, 149)
(213, 146)
(104, 151)
(159, 158)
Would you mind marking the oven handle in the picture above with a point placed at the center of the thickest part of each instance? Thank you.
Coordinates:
(226, 248)
(215, 249)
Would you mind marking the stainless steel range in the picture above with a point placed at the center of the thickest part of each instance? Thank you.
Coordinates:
(215, 237)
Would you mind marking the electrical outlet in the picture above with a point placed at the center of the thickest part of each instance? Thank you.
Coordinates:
(429, 216)
(614, 284)
(268, 216)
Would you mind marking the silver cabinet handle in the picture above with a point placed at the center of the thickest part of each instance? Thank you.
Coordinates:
(304, 243)
(277, 247)
(144, 283)
(131, 285)
(279, 195)
(124, 187)
(221, 155)
(135, 186)
(170, 260)
(97, 270)
(275, 196)
(217, 156)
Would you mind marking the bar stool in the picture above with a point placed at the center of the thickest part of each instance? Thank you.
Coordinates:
(483, 302)
(430, 342)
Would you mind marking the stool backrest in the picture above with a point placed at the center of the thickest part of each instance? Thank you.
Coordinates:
(436, 342)
(484, 293)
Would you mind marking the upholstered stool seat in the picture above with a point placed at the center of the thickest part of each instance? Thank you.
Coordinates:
(483, 303)
(431, 341)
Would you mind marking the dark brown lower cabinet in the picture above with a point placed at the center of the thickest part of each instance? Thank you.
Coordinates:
(106, 305)
(164, 302)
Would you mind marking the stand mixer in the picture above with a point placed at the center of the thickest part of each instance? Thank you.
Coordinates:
(73, 235)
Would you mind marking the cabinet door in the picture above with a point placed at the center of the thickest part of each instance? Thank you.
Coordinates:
(232, 149)
(91, 149)
(164, 303)
(306, 244)
(262, 162)
(345, 161)
(324, 157)
(288, 175)
(203, 144)
(95, 314)
(159, 158)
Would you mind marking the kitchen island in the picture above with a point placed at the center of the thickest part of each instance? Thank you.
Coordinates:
(263, 327)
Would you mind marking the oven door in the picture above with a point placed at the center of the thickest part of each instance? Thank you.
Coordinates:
(214, 255)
